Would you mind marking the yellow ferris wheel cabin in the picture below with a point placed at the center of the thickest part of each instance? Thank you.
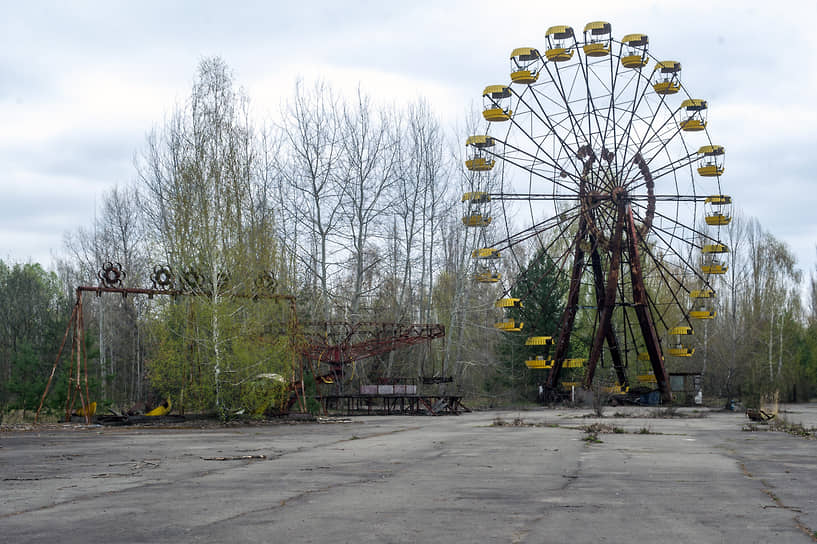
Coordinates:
(525, 62)
(487, 276)
(711, 160)
(635, 50)
(717, 213)
(496, 99)
(509, 303)
(478, 161)
(560, 41)
(485, 253)
(693, 115)
(539, 341)
(477, 197)
(509, 325)
(597, 39)
(666, 77)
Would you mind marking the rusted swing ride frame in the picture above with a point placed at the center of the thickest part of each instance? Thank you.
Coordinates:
(111, 276)
(337, 344)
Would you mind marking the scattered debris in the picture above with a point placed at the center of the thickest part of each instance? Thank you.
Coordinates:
(794, 429)
(499, 421)
(326, 419)
(758, 415)
(234, 458)
(125, 419)
(604, 428)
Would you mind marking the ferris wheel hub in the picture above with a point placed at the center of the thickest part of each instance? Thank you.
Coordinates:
(618, 194)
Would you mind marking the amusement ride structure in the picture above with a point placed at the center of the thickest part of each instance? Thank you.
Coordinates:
(602, 153)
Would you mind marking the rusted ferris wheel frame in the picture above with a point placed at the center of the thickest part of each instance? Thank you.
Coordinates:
(593, 123)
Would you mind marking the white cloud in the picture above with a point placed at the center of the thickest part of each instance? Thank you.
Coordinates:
(82, 84)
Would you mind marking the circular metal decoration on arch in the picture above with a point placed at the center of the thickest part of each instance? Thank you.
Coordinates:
(595, 152)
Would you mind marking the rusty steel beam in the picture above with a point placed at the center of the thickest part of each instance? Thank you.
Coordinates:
(124, 291)
(569, 313)
(643, 314)
(612, 340)
(340, 343)
(604, 326)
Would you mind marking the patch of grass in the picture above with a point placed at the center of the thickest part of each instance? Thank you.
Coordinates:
(592, 438)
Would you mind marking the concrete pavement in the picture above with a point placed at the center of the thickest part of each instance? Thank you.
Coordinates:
(416, 479)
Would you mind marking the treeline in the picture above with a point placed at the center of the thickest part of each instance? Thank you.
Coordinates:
(353, 208)
(347, 205)
(762, 342)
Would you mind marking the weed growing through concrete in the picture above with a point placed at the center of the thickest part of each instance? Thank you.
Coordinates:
(592, 438)
(602, 428)
(794, 429)
(499, 421)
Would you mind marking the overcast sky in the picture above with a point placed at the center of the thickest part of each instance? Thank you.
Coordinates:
(81, 84)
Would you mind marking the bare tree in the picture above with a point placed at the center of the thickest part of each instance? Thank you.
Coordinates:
(117, 235)
(311, 182)
(367, 164)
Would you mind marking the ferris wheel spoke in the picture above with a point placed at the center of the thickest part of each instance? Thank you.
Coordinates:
(665, 234)
(664, 136)
(556, 263)
(542, 115)
(534, 159)
(611, 124)
(692, 229)
(590, 106)
(639, 95)
(564, 221)
(647, 131)
(662, 141)
(540, 175)
(666, 241)
(673, 290)
(531, 169)
(665, 170)
(532, 196)
(668, 198)
(574, 122)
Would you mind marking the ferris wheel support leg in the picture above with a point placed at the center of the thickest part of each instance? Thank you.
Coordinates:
(604, 327)
(612, 340)
(642, 313)
(569, 314)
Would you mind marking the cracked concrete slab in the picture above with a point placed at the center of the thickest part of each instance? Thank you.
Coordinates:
(409, 479)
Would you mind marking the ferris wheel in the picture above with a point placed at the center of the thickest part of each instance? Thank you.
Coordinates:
(597, 154)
